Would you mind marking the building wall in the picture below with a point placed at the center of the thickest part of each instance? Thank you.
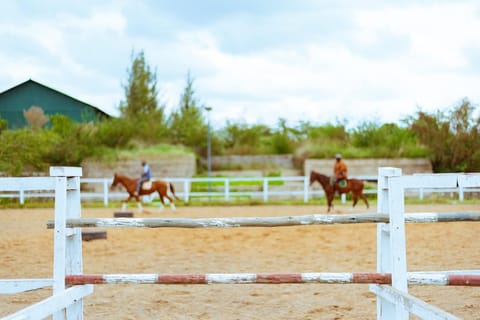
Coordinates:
(15, 101)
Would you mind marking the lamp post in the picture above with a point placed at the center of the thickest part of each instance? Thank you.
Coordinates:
(209, 150)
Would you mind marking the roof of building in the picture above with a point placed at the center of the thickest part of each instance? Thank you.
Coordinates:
(55, 90)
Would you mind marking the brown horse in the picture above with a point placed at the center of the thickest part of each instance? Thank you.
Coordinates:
(160, 186)
(355, 186)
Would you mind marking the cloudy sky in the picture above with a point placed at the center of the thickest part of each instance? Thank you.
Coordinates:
(253, 61)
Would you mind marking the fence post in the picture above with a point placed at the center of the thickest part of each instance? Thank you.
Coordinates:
(391, 252)
(460, 193)
(22, 196)
(227, 190)
(265, 189)
(67, 251)
(186, 190)
(306, 183)
(105, 192)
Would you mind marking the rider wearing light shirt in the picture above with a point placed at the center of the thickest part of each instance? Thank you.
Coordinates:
(146, 175)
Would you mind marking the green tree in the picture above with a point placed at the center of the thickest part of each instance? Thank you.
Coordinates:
(386, 140)
(74, 142)
(452, 138)
(115, 133)
(321, 141)
(333, 132)
(3, 124)
(187, 124)
(22, 150)
(283, 139)
(241, 138)
(140, 89)
(141, 105)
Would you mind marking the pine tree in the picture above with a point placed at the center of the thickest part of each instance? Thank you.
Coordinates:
(141, 107)
(187, 124)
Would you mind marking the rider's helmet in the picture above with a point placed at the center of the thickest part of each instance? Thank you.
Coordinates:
(338, 156)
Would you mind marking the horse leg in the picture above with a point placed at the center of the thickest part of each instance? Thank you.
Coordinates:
(125, 202)
(170, 200)
(162, 202)
(139, 204)
(355, 199)
(330, 201)
(364, 198)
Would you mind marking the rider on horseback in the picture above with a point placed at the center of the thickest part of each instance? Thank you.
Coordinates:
(146, 175)
(340, 169)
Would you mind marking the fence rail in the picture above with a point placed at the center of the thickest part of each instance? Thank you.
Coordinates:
(228, 189)
(393, 302)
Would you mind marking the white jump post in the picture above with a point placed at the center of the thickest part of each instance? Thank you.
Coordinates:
(67, 241)
(391, 251)
(394, 302)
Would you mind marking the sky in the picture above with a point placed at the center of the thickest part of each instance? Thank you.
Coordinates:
(253, 61)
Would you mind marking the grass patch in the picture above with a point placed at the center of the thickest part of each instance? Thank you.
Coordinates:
(149, 152)
(245, 200)
(202, 186)
(235, 185)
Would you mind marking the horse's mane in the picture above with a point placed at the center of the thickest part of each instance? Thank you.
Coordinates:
(318, 174)
(122, 176)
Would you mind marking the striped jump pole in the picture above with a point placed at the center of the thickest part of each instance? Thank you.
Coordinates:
(300, 220)
(413, 278)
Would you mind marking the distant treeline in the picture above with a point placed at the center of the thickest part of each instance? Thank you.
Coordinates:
(450, 139)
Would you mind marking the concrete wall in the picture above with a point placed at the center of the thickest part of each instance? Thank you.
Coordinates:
(285, 164)
(180, 166)
(253, 161)
(176, 166)
(185, 166)
(369, 166)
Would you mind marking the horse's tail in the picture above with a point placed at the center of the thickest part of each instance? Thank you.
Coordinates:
(172, 190)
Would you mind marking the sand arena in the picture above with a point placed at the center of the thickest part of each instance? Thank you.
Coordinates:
(26, 248)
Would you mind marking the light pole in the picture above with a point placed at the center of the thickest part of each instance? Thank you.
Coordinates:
(209, 150)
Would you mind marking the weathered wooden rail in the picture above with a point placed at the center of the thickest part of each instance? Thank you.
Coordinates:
(287, 221)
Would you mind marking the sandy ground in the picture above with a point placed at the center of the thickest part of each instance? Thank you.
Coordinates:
(26, 252)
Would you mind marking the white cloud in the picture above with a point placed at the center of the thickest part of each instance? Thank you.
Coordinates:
(99, 20)
(328, 62)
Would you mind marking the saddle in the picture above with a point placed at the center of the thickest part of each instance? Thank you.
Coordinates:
(146, 185)
(342, 183)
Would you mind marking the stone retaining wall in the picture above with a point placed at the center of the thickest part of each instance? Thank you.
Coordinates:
(253, 161)
(176, 166)
(369, 166)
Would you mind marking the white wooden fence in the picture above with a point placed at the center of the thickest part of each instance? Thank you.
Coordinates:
(393, 302)
(224, 190)
(64, 303)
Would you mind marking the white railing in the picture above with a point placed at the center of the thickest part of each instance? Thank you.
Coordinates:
(224, 189)
(65, 303)
(393, 302)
